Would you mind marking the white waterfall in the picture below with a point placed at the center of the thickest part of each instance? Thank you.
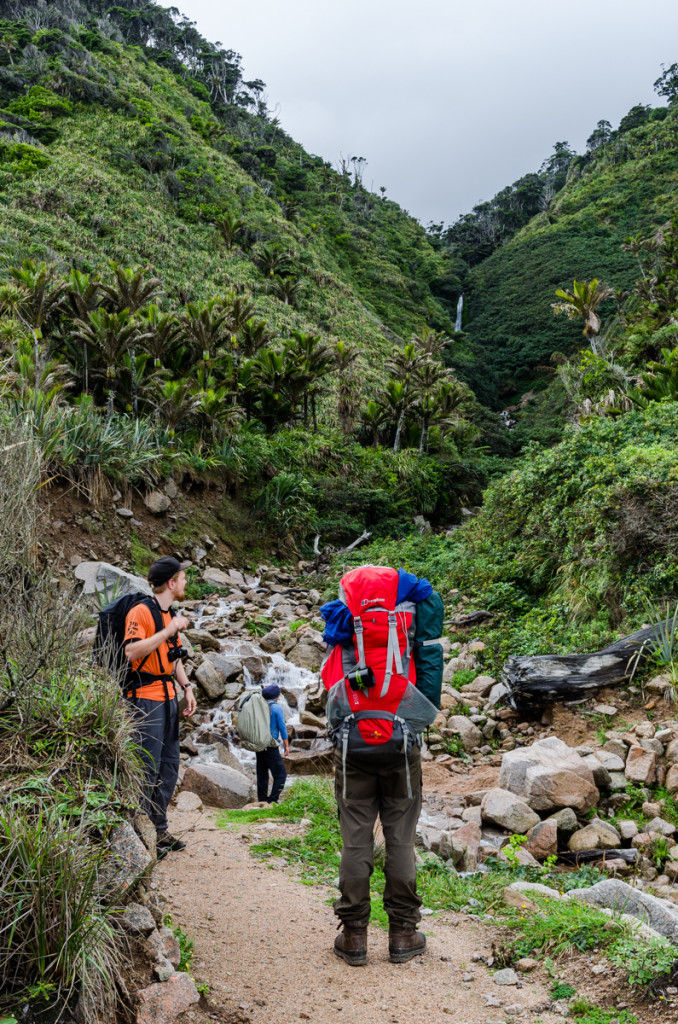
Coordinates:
(460, 311)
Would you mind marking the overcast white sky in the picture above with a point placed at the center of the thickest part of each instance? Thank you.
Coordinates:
(447, 100)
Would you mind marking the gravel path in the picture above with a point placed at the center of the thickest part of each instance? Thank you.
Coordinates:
(263, 944)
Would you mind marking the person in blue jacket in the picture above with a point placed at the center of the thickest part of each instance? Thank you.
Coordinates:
(270, 760)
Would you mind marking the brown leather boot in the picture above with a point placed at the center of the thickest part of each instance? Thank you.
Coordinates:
(404, 942)
(351, 945)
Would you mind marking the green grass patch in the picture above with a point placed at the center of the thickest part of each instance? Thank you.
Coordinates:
(584, 1012)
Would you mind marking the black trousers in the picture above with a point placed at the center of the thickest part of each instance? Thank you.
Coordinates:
(371, 790)
(270, 761)
(158, 736)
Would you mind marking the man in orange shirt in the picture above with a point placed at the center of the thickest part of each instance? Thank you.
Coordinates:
(155, 656)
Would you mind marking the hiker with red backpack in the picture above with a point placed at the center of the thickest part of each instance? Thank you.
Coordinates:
(138, 640)
(383, 671)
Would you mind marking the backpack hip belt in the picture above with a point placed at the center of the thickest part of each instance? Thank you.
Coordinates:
(358, 716)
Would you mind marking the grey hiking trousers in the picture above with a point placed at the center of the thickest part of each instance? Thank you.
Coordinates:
(157, 724)
(373, 790)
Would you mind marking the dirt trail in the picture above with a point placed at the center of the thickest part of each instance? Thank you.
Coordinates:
(263, 944)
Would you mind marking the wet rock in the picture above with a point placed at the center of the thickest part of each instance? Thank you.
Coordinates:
(308, 718)
(618, 896)
(641, 766)
(157, 503)
(470, 734)
(257, 666)
(542, 840)
(137, 920)
(549, 775)
(203, 639)
(271, 642)
(162, 1003)
(189, 802)
(596, 836)
(508, 810)
(316, 700)
(212, 681)
(311, 762)
(218, 785)
(306, 655)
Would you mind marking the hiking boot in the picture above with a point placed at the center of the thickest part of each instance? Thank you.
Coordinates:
(404, 942)
(166, 843)
(351, 945)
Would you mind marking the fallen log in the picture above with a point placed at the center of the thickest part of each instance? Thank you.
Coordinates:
(533, 682)
(577, 857)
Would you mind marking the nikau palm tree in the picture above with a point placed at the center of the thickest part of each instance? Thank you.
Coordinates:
(582, 303)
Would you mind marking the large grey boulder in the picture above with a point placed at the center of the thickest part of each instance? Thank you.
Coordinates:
(618, 896)
(218, 785)
(109, 581)
(508, 810)
(203, 639)
(216, 578)
(549, 775)
(215, 672)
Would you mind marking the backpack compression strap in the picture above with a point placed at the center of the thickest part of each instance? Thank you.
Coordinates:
(393, 657)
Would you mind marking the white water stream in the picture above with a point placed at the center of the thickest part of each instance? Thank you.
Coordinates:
(294, 682)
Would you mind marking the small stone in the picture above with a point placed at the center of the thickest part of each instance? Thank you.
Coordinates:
(125, 513)
(526, 964)
(506, 977)
(599, 969)
(163, 970)
(628, 829)
(605, 709)
(189, 802)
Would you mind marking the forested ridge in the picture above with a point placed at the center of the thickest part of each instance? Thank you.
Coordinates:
(206, 293)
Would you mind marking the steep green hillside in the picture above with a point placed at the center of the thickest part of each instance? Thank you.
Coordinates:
(623, 186)
(183, 289)
(123, 158)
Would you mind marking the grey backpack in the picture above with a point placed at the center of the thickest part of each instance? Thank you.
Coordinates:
(254, 722)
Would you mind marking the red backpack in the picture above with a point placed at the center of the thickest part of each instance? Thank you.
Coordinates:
(373, 709)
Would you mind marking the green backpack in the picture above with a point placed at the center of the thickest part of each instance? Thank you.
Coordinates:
(428, 651)
(254, 722)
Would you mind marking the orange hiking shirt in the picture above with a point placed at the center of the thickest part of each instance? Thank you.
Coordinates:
(139, 625)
